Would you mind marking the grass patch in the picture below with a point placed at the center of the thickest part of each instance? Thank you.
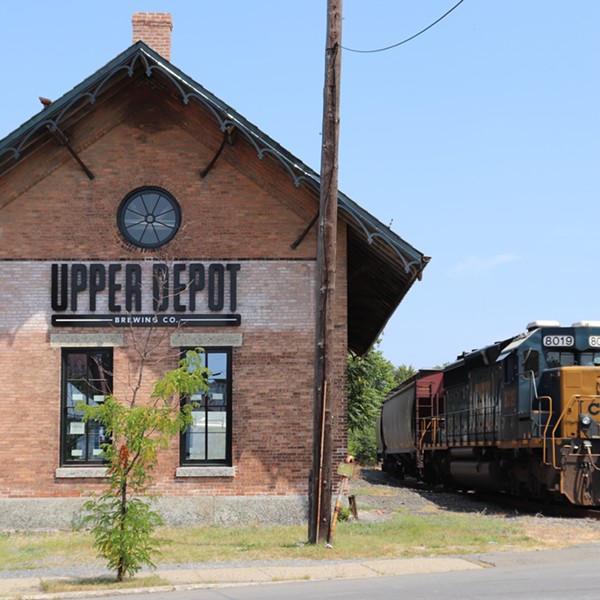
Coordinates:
(403, 535)
(445, 534)
(381, 492)
(100, 583)
(31, 550)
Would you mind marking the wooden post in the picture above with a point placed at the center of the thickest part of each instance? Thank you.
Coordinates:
(324, 389)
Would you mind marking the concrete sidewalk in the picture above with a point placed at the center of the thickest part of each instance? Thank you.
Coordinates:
(188, 578)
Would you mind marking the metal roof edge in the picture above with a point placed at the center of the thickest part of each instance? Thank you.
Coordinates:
(357, 216)
(58, 105)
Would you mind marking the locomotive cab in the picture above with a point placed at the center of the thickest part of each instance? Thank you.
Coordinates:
(571, 442)
(558, 409)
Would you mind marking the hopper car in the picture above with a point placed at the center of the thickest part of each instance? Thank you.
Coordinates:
(520, 416)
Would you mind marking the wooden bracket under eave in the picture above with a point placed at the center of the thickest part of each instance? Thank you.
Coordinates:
(64, 141)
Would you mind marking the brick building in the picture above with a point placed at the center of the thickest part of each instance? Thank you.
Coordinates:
(137, 211)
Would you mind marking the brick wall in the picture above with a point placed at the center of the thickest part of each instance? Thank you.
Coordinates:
(154, 29)
(246, 210)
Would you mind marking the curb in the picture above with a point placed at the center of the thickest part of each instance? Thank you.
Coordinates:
(221, 577)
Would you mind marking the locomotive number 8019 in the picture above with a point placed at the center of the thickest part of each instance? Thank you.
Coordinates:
(520, 416)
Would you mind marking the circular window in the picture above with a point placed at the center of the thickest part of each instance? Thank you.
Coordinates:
(149, 217)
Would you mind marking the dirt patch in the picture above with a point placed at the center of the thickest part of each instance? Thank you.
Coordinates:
(560, 534)
(380, 496)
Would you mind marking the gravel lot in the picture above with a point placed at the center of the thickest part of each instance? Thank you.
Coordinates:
(379, 496)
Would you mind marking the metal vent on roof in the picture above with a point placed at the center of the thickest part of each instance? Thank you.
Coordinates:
(537, 324)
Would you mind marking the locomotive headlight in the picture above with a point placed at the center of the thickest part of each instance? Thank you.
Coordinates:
(585, 421)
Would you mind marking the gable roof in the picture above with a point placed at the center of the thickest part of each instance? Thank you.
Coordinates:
(381, 266)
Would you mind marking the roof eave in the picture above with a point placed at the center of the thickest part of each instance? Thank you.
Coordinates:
(381, 240)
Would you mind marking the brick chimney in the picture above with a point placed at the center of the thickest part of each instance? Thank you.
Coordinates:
(154, 29)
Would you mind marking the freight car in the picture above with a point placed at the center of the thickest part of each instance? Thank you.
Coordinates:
(520, 416)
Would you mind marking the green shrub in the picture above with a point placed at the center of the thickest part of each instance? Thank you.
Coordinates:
(122, 523)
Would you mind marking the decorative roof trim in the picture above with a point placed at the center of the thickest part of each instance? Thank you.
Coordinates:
(51, 116)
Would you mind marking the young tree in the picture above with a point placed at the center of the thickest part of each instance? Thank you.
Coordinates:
(122, 521)
(370, 378)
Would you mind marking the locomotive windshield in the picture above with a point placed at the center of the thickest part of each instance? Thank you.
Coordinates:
(590, 359)
(555, 358)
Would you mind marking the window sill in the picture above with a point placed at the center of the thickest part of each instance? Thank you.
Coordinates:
(206, 472)
(81, 473)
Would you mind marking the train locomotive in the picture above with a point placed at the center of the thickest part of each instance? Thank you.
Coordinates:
(520, 416)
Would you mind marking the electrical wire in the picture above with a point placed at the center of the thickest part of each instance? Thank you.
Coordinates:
(412, 37)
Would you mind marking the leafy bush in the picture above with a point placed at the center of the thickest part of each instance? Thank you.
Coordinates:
(122, 523)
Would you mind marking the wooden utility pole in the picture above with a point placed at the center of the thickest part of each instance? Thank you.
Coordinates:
(324, 390)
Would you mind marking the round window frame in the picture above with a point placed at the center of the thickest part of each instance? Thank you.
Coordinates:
(137, 241)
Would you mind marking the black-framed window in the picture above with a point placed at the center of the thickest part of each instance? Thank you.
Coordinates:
(207, 441)
(87, 379)
(149, 217)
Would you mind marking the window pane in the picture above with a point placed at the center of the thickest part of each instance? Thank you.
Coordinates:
(217, 363)
(553, 359)
(100, 367)
(75, 448)
(96, 437)
(217, 446)
(88, 380)
(217, 422)
(207, 439)
(77, 366)
(195, 444)
(150, 200)
(198, 421)
(217, 428)
(217, 396)
(195, 436)
(76, 393)
(199, 401)
(567, 359)
(149, 236)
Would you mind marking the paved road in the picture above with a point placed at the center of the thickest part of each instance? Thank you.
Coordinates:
(565, 574)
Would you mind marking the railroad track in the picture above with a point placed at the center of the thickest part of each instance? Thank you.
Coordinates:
(470, 501)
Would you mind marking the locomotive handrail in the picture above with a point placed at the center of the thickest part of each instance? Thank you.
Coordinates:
(562, 415)
(545, 436)
(575, 398)
(530, 375)
(426, 425)
(480, 422)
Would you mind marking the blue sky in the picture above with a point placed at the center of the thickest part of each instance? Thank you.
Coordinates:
(479, 140)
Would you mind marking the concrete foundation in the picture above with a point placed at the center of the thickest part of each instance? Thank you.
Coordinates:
(67, 513)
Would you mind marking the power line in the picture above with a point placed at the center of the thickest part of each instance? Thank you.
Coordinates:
(412, 37)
